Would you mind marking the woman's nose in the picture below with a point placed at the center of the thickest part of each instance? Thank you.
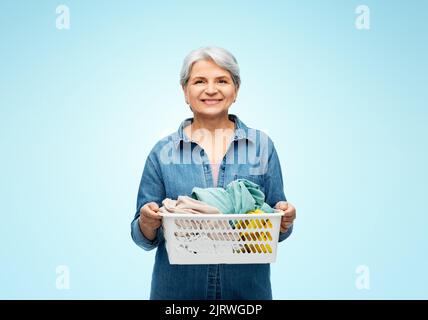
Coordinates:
(211, 88)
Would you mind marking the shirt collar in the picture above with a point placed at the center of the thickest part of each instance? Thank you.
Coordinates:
(241, 131)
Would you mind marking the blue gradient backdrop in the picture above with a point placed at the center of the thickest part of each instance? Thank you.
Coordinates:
(81, 108)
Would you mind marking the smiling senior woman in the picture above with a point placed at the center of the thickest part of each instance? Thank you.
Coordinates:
(226, 150)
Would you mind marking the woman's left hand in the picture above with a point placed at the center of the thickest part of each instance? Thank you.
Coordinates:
(289, 214)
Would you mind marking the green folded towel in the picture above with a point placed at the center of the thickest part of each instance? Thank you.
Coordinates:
(240, 196)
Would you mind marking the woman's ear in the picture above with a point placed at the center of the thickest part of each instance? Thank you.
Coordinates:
(185, 94)
(236, 94)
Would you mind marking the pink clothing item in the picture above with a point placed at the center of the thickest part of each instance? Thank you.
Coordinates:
(215, 169)
(185, 204)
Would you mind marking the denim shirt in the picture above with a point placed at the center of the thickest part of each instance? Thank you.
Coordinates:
(174, 167)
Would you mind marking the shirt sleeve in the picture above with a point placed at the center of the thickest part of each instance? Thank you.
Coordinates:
(286, 234)
(151, 190)
(274, 185)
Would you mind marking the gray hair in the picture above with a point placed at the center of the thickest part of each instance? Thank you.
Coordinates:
(223, 58)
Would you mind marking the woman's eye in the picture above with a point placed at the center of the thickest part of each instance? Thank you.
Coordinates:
(198, 81)
(222, 81)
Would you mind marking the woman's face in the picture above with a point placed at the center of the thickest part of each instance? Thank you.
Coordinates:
(210, 89)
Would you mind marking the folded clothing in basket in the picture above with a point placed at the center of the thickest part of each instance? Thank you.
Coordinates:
(257, 211)
(185, 204)
(240, 196)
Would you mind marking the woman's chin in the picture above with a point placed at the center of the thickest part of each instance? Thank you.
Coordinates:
(212, 111)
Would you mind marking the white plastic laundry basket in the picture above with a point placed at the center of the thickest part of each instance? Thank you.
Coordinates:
(221, 238)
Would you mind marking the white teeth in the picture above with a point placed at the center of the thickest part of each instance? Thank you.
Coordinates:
(206, 101)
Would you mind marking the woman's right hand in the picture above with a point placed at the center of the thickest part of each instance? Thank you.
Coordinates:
(149, 220)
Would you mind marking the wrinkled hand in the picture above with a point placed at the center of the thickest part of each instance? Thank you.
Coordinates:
(289, 214)
(150, 219)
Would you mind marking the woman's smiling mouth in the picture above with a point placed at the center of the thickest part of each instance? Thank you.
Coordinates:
(211, 101)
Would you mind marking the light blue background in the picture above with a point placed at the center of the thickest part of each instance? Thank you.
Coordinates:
(81, 108)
